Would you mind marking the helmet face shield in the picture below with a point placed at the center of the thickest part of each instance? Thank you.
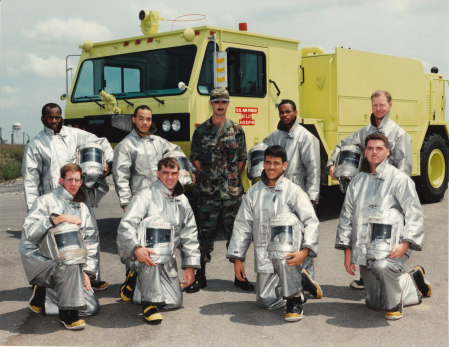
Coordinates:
(185, 171)
(157, 235)
(383, 234)
(256, 157)
(348, 165)
(64, 244)
(92, 160)
(285, 235)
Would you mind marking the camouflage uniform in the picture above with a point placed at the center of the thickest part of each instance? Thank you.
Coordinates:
(219, 186)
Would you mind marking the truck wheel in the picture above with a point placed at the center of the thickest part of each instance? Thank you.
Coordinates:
(434, 169)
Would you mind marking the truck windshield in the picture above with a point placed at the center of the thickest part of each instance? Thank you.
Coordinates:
(135, 75)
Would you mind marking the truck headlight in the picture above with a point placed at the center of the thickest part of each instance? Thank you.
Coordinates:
(166, 125)
(176, 125)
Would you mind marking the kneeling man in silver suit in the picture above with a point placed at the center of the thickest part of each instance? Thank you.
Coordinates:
(381, 221)
(278, 215)
(157, 220)
(59, 249)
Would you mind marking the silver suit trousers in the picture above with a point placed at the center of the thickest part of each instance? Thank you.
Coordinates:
(155, 287)
(387, 284)
(273, 288)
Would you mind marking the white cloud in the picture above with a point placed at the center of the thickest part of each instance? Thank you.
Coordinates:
(50, 67)
(77, 30)
(7, 90)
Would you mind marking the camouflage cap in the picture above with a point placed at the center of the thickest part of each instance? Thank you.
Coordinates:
(219, 94)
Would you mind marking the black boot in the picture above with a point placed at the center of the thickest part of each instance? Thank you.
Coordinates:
(127, 288)
(37, 301)
(70, 319)
(200, 280)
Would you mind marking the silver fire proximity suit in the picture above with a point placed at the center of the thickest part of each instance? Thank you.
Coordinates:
(389, 192)
(64, 283)
(159, 285)
(135, 163)
(399, 140)
(303, 157)
(303, 164)
(44, 156)
(259, 205)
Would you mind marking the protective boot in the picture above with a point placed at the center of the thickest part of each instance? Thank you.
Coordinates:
(37, 301)
(293, 309)
(200, 280)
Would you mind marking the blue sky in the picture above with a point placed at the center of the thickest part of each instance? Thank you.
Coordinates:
(36, 36)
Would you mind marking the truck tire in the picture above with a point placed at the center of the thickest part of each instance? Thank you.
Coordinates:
(432, 183)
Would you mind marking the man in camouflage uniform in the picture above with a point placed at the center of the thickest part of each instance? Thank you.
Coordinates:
(218, 152)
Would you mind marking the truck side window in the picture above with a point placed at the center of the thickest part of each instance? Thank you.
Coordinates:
(118, 79)
(246, 73)
(206, 80)
(85, 84)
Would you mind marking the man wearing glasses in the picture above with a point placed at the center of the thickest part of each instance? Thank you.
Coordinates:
(48, 151)
(60, 265)
(218, 152)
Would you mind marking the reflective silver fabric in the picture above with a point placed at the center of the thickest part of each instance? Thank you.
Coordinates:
(254, 165)
(388, 191)
(259, 205)
(303, 157)
(157, 201)
(387, 283)
(51, 303)
(135, 163)
(186, 168)
(384, 232)
(67, 280)
(285, 232)
(48, 152)
(155, 286)
(91, 159)
(64, 244)
(400, 143)
(157, 235)
(348, 165)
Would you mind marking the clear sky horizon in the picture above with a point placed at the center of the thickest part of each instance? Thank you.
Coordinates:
(36, 36)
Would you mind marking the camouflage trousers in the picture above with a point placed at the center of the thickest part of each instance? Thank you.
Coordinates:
(208, 213)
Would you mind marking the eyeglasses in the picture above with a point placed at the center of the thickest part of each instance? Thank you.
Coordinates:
(73, 180)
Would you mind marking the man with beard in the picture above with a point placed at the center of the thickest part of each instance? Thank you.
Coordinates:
(48, 151)
(275, 210)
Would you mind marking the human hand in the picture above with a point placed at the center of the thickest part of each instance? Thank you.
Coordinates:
(189, 277)
(296, 258)
(239, 270)
(143, 255)
(332, 170)
(87, 281)
(68, 218)
(350, 267)
(399, 250)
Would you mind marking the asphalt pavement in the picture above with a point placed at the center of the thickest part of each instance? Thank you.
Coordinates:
(221, 314)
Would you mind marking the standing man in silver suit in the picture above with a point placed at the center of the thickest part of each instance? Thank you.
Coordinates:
(140, 245)
(61, 282)
(381, 221)
(303, 157)
(48, 151)
(136, 158)
(279, 278)
(380, 122)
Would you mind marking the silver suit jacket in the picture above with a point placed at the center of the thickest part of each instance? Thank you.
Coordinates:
(37, 222)
(399, 140)
(303, 157)
(135, 163)
(367, 195)
(157, 200)
(259, 205)
(47, 152)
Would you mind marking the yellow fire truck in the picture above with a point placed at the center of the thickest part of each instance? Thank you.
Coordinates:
(173, 73)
